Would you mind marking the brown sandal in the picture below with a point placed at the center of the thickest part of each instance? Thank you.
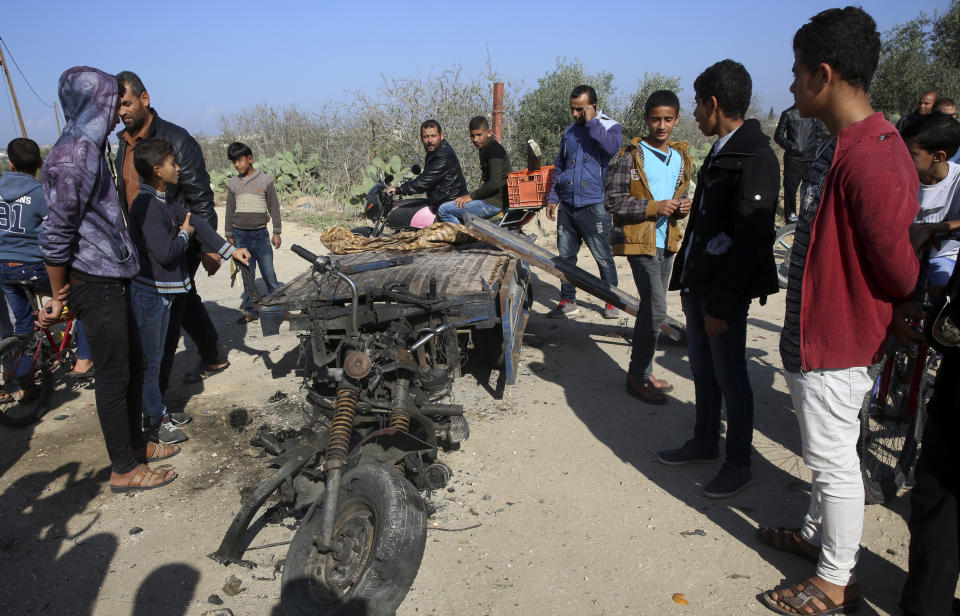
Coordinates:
(154, 452)
(802, 598)
(787, 540)
(145, 479)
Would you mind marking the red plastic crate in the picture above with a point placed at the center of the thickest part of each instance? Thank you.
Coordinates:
(529, 188)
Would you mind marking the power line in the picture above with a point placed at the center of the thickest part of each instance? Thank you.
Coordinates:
(10, 53)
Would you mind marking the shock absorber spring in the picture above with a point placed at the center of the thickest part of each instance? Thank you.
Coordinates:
(338, 443)
(399, 418)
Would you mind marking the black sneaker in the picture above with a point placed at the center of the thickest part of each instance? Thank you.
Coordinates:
(729, 481)
(166, 433)
(180, 419)
(690, 453)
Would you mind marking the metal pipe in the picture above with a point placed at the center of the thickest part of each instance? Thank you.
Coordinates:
(439, 330)
(328, 515)
(354, 301)
(498, 111)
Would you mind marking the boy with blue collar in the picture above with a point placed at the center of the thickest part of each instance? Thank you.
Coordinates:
(646, 190)
(161, 232)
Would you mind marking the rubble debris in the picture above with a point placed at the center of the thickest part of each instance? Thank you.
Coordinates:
(233, 586)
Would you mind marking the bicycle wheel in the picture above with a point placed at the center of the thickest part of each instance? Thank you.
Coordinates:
(782, 247)
(890, 423)
(25, 379)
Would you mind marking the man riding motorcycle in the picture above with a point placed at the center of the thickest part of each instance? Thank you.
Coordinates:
(442, 177)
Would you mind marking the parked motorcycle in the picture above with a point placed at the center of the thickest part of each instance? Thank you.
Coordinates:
(390, 214)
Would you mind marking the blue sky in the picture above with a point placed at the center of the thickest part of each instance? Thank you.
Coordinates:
(204, 58)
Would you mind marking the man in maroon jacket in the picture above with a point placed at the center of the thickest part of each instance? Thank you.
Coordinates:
(851, 264)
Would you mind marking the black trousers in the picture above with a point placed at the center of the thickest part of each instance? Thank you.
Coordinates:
(934, 524)
(793, 170)
(106, 313)
(188, 312)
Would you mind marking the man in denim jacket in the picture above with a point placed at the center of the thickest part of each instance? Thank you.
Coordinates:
(586, 147)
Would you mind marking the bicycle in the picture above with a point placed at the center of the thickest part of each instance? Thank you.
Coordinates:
(28, 364)
(782, 247)
(894, 413)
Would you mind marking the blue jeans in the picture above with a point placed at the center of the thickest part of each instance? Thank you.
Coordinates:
(152, 312)
(719, 366)
(652, 275)
(449, 212)
(257, 241)
(590, 224)
(20, 305)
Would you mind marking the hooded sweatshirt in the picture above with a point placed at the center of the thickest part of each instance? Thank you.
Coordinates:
(86, 229)
(22, 212)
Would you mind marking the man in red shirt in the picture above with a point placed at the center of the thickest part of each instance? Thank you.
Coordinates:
(851, 264)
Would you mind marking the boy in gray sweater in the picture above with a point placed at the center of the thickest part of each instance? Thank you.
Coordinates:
(251, 203)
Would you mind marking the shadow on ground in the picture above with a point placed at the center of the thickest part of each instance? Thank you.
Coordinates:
(635, 432)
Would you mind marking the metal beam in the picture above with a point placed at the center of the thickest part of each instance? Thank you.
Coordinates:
(542, 258)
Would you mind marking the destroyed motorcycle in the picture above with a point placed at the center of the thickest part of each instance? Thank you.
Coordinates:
(378, 356)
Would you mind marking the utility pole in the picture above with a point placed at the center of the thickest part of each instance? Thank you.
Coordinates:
(56, 117)
(498, 111)
(6, 71)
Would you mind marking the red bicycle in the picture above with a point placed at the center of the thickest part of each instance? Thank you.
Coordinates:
(28, 364)
(894, 413)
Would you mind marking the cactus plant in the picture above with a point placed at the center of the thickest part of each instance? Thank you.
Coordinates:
(393, 167)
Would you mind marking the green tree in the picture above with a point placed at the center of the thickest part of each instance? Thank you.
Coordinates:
(921, 54)
(946, 32)
(633, 125)
(544, 112)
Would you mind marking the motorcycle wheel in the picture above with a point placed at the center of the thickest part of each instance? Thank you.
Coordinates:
(381, 530)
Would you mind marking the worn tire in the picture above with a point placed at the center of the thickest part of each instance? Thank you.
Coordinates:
(890, 438)
(387, 518)
(782, 247)
(16, 355)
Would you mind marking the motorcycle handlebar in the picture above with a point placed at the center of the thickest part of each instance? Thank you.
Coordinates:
(321, 264)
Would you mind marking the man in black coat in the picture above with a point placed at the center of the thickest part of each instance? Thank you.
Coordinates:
(725, 261)
(799, 138)
(442, 177)
(193, 191)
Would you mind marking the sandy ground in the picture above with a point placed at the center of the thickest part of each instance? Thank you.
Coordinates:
(566, 510)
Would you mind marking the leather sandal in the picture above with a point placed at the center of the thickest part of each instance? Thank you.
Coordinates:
(145, 478)
(660, 384)
(788, 540)
(806, 599)
(154, 452)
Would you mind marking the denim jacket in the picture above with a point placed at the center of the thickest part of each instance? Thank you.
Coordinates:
(581, 167)
(86, 229)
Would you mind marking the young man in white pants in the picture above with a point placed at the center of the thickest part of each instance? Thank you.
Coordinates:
(851, 264)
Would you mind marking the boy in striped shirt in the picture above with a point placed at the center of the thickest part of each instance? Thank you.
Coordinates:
(251, 203)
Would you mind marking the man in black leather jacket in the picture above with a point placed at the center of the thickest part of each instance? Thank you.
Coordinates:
(193, 190)
(442, 177)
(799, 138)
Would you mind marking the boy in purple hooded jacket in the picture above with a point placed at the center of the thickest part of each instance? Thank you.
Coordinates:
(90, 257)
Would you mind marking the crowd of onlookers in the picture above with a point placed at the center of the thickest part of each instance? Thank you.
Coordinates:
(122, 240)
(875, 203)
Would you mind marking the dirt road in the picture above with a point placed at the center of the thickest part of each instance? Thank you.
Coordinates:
(557, 505)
